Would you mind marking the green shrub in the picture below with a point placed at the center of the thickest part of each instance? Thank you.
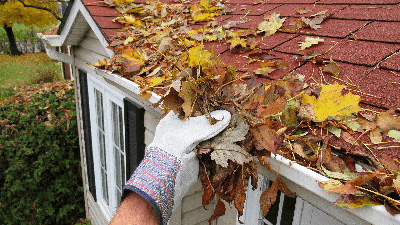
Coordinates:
(44, 75)
(40, 174)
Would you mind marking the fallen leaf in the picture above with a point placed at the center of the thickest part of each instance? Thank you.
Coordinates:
(262, 56)
(135, 56)
(388, 121)
(225, 147)
(268, 198)
(271, 109)
(219, 210)
(348, 138)
(189, 96)
(236, 41)
(230, 24)
(198, 56)
(375, 136)
(265, 137)
(341, 176)
(284, 188)
(154, 81)
(313, 23)
(303, 11)
(332, 68)
(309, 41)
(353, 202)
(331, 103)
(240, 193)
(271, 24)
(264, 71)
(395, 134)
(335, 130)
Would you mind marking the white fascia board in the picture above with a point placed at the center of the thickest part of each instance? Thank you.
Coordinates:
(130, 85)
(76, 8)
(53, 40)
(309, 179)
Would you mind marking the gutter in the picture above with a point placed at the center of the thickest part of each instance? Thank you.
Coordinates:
(51, 42)
(308, 180)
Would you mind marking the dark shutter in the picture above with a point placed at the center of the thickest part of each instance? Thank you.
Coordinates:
(134, 133)
(87, 132)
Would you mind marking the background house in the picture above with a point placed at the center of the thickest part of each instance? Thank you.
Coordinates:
(115, 124)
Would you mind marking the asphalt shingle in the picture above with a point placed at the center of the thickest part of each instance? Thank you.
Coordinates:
(359, 34)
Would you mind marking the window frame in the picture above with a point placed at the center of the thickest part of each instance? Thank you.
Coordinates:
(110, 96)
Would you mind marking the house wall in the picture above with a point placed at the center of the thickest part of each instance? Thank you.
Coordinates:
(90, 51)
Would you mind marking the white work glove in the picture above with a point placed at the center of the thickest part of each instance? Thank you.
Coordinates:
(170, 166)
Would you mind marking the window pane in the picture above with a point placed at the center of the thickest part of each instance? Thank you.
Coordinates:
(99, 107)
(123, 179)
(118, 194)
(102, 149)
(104, 185)
(121, 130)
(115, 122)
(118, 178)
(289, 205)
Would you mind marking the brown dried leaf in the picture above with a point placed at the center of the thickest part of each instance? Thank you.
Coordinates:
(172, 100)
(284, 188)
(240, 193)
(265, 137)
(348, 138)
(388, 121)
(268, 198)
(332, 68)
(219, 210)
(271, 109)
(375, 136)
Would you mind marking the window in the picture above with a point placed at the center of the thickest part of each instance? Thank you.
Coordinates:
(109, 154)
(285, 211)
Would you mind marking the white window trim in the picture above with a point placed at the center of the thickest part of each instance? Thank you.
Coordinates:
(108, 96)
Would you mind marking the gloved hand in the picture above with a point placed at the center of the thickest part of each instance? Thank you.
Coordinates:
(170, 166)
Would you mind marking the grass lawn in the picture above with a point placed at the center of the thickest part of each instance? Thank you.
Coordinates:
(30, 68)
(22, 32)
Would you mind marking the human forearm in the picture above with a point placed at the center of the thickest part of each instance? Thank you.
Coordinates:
(135, 210)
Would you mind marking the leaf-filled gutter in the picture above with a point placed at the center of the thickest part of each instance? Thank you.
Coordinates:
(169, 49)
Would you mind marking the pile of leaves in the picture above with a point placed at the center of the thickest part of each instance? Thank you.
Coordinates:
(319, 126)
(40, 169)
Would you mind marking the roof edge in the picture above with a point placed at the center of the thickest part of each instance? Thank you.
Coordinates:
(64, 18)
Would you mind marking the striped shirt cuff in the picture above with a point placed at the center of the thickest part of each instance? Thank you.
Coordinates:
(154, 180)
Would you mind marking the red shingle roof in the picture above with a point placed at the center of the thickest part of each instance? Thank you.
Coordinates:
(363, 36)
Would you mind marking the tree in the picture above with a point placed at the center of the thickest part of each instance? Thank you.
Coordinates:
(28, 12)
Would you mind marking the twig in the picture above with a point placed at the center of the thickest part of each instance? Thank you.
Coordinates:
(377, 193)
(376, 158)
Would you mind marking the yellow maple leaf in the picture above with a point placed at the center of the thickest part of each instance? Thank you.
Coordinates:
(355, 202)
(198, 56)
(309, 41)
(237, 41)
(135, 56)
(331, 103)
(154, 81)
(271, 24)
(130, 20)
(205, 11)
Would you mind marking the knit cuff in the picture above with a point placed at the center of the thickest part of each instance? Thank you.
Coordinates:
(154, 180)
